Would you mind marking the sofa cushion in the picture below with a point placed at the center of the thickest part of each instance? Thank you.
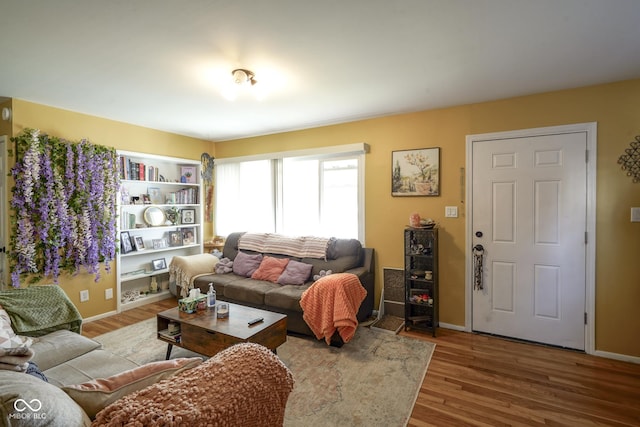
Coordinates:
(248, 291)
(246, 264)
(60, 346)
(94, 395)
(47, 404)
(8, 338)
(94, 364)
(286, 297)
(270, 269)
(296, 273)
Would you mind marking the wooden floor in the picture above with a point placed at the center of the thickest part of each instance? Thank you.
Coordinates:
(478, 380)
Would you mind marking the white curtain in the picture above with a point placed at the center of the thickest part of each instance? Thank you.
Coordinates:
(244, 197)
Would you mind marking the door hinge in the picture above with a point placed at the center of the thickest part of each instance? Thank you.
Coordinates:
(585, 318)
(586, 238)
(586, 156)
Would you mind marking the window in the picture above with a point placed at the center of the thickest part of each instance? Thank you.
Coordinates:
(295, 193)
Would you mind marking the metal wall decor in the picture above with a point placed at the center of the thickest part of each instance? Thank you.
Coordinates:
(630, 160)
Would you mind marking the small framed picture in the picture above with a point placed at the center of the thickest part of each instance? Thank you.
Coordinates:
(146, 199)
(125, 242)
(188, 174)
(139, 242)
(188, 216)
(175, 238)
(415, 172)
(155, 195)
(188, 236)
(158, 264)
(160, 243)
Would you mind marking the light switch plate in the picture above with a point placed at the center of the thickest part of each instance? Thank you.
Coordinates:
(635, 214)
(451, 211)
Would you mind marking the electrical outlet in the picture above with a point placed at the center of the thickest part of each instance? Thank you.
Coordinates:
(108, 293)
(451, 211)
(84, 295)
(635, 214)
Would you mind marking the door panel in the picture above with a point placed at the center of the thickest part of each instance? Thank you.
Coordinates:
(529, 202)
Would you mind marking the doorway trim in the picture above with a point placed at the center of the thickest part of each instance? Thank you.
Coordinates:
(590, 263)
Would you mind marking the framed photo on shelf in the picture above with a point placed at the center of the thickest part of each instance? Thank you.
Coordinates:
(155, 195)
(158, 264)
(146, 199)
(160, 243)
(139, 242)
(188, 216)
(175, 238)
(125, 242)
(188, 174)
(188, 235)
(415, 172)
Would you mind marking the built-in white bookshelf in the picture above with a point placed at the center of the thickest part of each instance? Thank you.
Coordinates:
(153, 187)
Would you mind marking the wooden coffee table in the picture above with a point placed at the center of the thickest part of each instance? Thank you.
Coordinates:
(203, 333)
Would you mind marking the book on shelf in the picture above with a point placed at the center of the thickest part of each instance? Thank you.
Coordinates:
(137, 171)
(166, 335)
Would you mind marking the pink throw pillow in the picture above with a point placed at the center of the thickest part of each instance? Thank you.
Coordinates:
(270, 269)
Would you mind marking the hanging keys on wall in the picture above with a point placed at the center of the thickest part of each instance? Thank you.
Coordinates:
(478, 254)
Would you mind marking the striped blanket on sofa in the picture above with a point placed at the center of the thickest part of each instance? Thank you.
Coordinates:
(300, 247)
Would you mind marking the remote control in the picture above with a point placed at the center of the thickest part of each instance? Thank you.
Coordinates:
(254, 321)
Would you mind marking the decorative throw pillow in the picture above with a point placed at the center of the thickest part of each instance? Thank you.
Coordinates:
(94, 395)
(270, 269)
(296, 273)
(246, 264)
(8, 338)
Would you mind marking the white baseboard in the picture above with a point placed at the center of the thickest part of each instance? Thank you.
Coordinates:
(617, 356)
(99, 316)
(605, 354)
(450, 326)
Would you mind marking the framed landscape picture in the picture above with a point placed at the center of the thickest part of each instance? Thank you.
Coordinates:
(415, 172)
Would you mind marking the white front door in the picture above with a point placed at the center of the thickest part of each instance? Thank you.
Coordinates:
(529, 213)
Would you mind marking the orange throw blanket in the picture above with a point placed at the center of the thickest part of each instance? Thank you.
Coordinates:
(331, 304)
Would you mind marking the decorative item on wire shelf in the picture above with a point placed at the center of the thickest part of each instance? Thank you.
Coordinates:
(416, 222)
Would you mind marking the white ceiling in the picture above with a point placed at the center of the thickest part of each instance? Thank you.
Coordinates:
(162, 63)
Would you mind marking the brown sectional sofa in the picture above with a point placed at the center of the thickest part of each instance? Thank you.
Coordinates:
(343, 255)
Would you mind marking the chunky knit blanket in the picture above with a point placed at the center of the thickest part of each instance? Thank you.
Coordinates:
(244, 385)
(331, 304)
(301, 247)
(38, 310)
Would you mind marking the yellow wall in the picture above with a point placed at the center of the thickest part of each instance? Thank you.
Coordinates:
(614, 107)
(75, 126)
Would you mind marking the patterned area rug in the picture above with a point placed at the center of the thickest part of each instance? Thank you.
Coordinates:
(371, 381)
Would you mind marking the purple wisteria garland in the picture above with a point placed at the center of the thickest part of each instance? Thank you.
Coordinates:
(63, 207)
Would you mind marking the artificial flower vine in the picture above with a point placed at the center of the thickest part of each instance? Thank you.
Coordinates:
(63, 207)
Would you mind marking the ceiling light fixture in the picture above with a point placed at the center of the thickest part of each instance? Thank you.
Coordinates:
(242, 76)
